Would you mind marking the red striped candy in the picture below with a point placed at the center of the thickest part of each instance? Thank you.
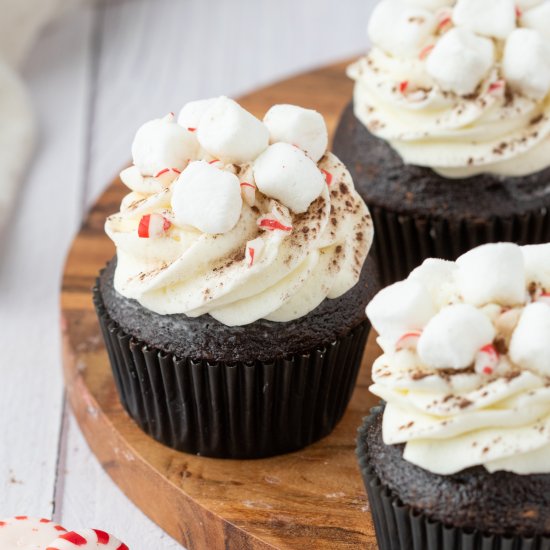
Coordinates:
(90, 539)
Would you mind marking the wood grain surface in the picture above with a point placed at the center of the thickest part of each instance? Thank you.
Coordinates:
(309, 499)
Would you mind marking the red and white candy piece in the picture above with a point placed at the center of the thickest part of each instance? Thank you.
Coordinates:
(90, 539)
(26, 533)
(486, 360)
(409, 340)
(153, 226)
(497, 87)
(217, 163)
(167, 175)
(328, 175)
(542, 297)
(277, 220)
(253, 251)
(425, 51)
(248, 192)
(445, 21)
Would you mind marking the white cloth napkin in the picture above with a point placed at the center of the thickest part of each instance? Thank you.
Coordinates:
(20, 23)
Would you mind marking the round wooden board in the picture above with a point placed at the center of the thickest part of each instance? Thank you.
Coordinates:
(309, 499)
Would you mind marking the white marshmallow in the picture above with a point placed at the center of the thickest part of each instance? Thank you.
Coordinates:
(460, 61)
(400, 29)
(453, 337)
(160, 144)
(305, 128)
(492, 273)
(286, 173)
(538, 19)
(430, 4)
(207, 198)
(537, 265)
(526, 63)
(438, 276)
(191, 113)
(230, 133)
(400, 308)
(530, 345)
(495, 18)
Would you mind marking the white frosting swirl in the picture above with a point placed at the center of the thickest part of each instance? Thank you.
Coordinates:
(466, 377)
(465, 96)
(188, 245)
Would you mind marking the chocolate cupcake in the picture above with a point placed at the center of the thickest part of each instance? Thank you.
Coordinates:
(459, 456)
(233, 312)
(448, 137)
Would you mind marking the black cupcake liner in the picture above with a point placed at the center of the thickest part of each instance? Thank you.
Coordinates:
(403, 241)
(233, 410)
(399, 527)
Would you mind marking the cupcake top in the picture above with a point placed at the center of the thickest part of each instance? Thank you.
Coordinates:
(235, 217)
(466, 364)
(460, 86)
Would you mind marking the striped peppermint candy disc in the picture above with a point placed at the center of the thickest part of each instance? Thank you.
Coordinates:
(27, 533)
(91, 539)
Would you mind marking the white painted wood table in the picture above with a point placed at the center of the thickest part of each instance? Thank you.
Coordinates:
(95, 76)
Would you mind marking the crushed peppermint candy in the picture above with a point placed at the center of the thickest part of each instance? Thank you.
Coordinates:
(248, 192)
(409, 340)
(167, 170)
(424, 52)
(152, 226)
(497, 86)
(253, 250)
(272, 224)
(486, 360)
(277, 220)
(328, 175)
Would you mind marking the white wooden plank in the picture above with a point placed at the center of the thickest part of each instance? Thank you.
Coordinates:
(88, 498)
(43, 223)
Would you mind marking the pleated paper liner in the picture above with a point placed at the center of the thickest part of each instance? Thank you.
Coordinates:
(402, 241)
(239, 410)
(399, 527)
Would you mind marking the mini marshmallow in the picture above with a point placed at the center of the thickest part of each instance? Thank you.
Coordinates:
(460, 61)
(492, 273)
(399, 28)
(537, 265)
(305, 128)
(430, 4)
(160, 144)
(230, 133)
(526, 63)
(454, 336)
(400, 308)
(538, 19)
(286, 173)
(191, 113)
(494, 18)
(530, 345)
(438, 276)
(207, 198)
